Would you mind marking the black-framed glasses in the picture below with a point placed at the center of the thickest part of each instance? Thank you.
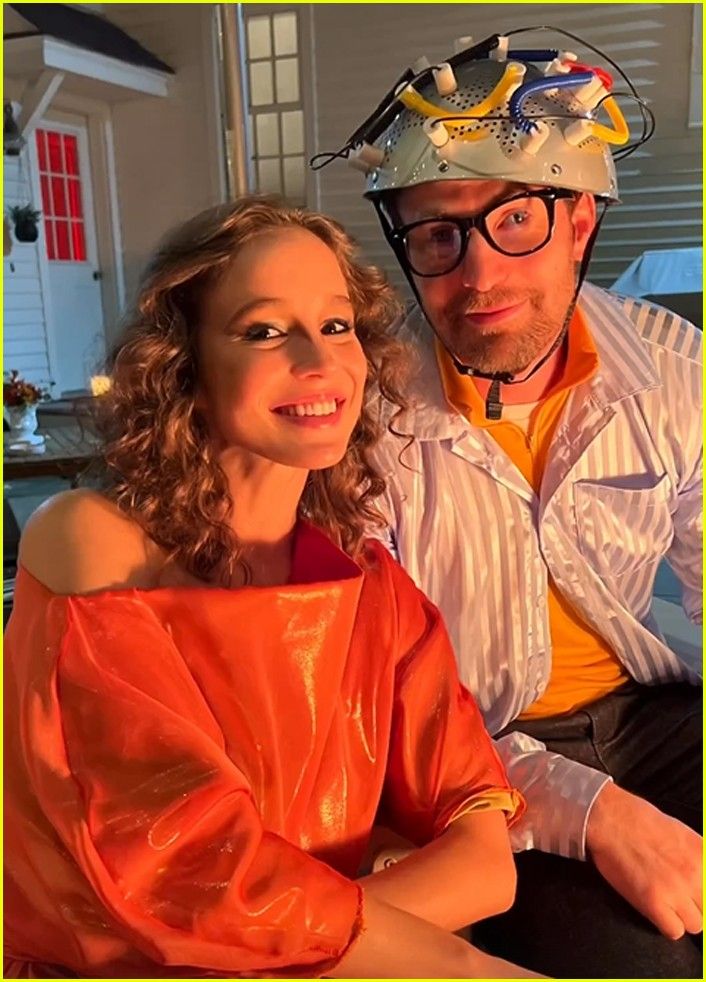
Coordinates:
(517, 226)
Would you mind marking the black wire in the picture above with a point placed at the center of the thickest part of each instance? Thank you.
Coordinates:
(327, 157)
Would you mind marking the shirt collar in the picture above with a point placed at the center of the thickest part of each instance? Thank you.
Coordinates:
(624, 366)
(462, 392)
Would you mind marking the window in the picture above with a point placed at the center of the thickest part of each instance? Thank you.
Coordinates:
(62, 208)
(273, 68)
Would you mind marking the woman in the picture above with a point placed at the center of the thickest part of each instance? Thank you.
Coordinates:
(215, 682)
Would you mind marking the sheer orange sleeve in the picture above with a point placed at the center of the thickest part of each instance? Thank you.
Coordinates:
(130, 768)
(442, 762)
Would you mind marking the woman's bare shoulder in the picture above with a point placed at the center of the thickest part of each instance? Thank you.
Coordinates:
(79, 542)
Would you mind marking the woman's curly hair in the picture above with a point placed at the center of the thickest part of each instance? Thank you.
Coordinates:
(158, 464)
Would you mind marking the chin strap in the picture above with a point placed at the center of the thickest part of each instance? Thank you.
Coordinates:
(493, 402)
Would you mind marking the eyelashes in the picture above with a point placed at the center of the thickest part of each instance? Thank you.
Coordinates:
(268, 332)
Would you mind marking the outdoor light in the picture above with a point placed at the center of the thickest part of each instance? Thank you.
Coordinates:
(12, 139)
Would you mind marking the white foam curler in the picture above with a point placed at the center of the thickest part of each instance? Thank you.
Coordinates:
(500, 53)
(460, 44)
(436, 132)
(445, 79)
(533, 141)
(578, 132)
(561, 65)
(366, 157)
(421, 65)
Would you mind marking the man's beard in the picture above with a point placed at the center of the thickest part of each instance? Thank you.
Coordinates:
(501, 351)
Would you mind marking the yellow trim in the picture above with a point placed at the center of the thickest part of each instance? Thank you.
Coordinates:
(507, 800)
(411, 99)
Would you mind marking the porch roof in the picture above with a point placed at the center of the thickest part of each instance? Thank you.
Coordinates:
(84, 53)
(85, 30)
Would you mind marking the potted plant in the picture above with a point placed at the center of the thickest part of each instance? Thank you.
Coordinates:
(25, 218)
(20, 399)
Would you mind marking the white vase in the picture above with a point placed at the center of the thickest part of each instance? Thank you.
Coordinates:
(23, 428)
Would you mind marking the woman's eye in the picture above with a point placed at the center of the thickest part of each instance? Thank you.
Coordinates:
(262, 332)
(337, 326)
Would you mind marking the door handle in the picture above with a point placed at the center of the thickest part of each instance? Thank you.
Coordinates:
(97, 275)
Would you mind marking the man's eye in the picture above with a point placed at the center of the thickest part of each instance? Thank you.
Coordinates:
(262, 332)
(337, 326)
(516, 218)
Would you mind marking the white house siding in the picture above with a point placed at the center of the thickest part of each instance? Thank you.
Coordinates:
(660, 185)
(167, 151)
(25, 341)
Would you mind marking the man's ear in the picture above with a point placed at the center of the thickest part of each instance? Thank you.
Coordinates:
(583, 220)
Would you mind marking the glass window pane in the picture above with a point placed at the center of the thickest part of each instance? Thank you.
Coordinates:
(49, 235)
(287, 76)
(267, 134)
(63, 248)
(78, 241)
(293, 132)
(285, 28)
(261, 93)
(56, 163)
(75, 209)
(259, 45)
(294, 185)
(71, 154)
(42, 149)
(58, 197)
(268, 176)
(46, 200)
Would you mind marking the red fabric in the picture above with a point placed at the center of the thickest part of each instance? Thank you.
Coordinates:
(192, 773)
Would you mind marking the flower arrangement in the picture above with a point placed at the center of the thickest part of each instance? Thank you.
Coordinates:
(17, 391)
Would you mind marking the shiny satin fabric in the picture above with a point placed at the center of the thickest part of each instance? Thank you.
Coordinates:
(192, 773)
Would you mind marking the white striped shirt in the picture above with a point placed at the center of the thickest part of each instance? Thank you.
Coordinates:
(621, 489)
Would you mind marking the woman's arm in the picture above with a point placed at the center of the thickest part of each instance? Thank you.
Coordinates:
(394, 944)
(465, 875)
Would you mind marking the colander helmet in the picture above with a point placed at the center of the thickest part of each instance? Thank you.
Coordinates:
(503, 120)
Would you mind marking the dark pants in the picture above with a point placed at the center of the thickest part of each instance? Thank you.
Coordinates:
(568, 922)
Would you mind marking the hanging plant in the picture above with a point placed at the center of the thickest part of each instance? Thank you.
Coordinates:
(25, 218)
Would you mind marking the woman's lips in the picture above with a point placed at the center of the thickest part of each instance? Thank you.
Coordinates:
(323, 421)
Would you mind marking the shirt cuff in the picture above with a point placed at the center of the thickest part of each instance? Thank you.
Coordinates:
(559, 793)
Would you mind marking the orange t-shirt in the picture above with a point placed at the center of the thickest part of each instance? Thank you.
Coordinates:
(584, 667)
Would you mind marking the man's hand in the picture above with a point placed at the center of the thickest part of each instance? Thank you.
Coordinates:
(651, 859)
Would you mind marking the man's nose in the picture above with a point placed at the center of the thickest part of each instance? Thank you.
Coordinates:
(482, 267)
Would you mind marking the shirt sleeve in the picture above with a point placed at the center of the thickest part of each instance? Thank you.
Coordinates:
(559, 793)
(441, 763)
(130, 769)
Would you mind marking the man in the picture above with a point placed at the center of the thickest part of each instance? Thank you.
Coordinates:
(556, 459)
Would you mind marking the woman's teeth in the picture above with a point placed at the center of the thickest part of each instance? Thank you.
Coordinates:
(310, 409)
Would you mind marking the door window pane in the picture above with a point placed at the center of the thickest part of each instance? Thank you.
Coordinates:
(58, 197)
(261, 93)
(71, 154)
(287, 76)
(56, 163)
(293, 132)
(74, 195)
(294, 185)
(259, 45)
(269, 176)
(63, 248)
(267, 134)
(285, 29)
(78, 242)
(42, 149)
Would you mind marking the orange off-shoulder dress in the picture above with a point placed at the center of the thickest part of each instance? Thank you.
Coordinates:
(192, 774)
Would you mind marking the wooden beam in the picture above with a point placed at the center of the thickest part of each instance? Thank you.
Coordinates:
(36, 100)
